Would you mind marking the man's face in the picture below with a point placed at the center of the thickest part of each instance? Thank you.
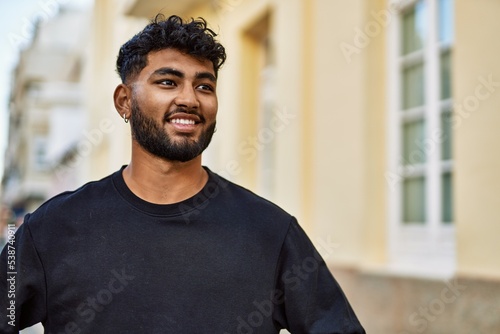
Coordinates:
(174, 105)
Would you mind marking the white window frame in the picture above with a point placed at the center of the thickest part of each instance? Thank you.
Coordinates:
(417, 249)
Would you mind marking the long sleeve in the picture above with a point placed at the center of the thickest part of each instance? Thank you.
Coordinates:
(22, 283)
(308, 298)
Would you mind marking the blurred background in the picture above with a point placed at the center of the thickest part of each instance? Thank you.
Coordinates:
(369, 120)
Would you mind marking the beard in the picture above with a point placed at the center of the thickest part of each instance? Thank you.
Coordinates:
(154, 139)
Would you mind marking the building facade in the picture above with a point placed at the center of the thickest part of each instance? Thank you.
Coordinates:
(46, 114)
(368, 120)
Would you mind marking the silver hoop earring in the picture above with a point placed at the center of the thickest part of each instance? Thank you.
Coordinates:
(125, 118)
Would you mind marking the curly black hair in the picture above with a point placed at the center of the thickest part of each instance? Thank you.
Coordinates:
(191, 37)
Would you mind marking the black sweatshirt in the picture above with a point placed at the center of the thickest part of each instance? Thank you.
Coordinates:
(102, 260)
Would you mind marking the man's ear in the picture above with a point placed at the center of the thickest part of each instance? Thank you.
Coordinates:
(122, 99)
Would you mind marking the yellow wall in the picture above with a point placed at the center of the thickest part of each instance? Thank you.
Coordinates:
(374, 226)
(476, 130)
(338, 149)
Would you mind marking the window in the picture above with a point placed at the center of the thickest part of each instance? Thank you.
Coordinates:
(421, 229)
(40, 162)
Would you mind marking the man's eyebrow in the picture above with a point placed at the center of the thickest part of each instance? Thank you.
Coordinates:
(167, 70)
(179, 74)
(206, 75)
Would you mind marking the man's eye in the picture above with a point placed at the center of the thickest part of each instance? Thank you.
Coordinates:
(206, 87)
(166, 82)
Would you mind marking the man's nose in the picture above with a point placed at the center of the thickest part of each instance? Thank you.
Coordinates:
(187, 97)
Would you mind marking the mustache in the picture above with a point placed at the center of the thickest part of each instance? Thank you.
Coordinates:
(181, 110)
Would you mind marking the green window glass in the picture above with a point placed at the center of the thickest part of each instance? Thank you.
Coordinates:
(445, 64)
(447, 197)
(414, 24)
(413, 86)
(413, 142)
(414, 200)
(447, 139)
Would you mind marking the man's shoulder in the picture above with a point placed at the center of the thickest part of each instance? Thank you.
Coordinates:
(248, 201)
(77, 199)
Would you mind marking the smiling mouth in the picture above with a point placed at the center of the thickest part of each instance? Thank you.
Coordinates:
(182, 117)
(184, 122)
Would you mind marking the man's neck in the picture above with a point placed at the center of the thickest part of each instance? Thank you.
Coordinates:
(158, 181)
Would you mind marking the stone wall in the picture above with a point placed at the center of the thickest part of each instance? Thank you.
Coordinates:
(401, 305)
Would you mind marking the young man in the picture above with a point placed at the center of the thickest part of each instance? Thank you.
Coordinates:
(164, 245)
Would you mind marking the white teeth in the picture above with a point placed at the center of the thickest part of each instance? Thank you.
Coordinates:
(182, 121)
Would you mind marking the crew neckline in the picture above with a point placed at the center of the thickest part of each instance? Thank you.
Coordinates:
(175, 209)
